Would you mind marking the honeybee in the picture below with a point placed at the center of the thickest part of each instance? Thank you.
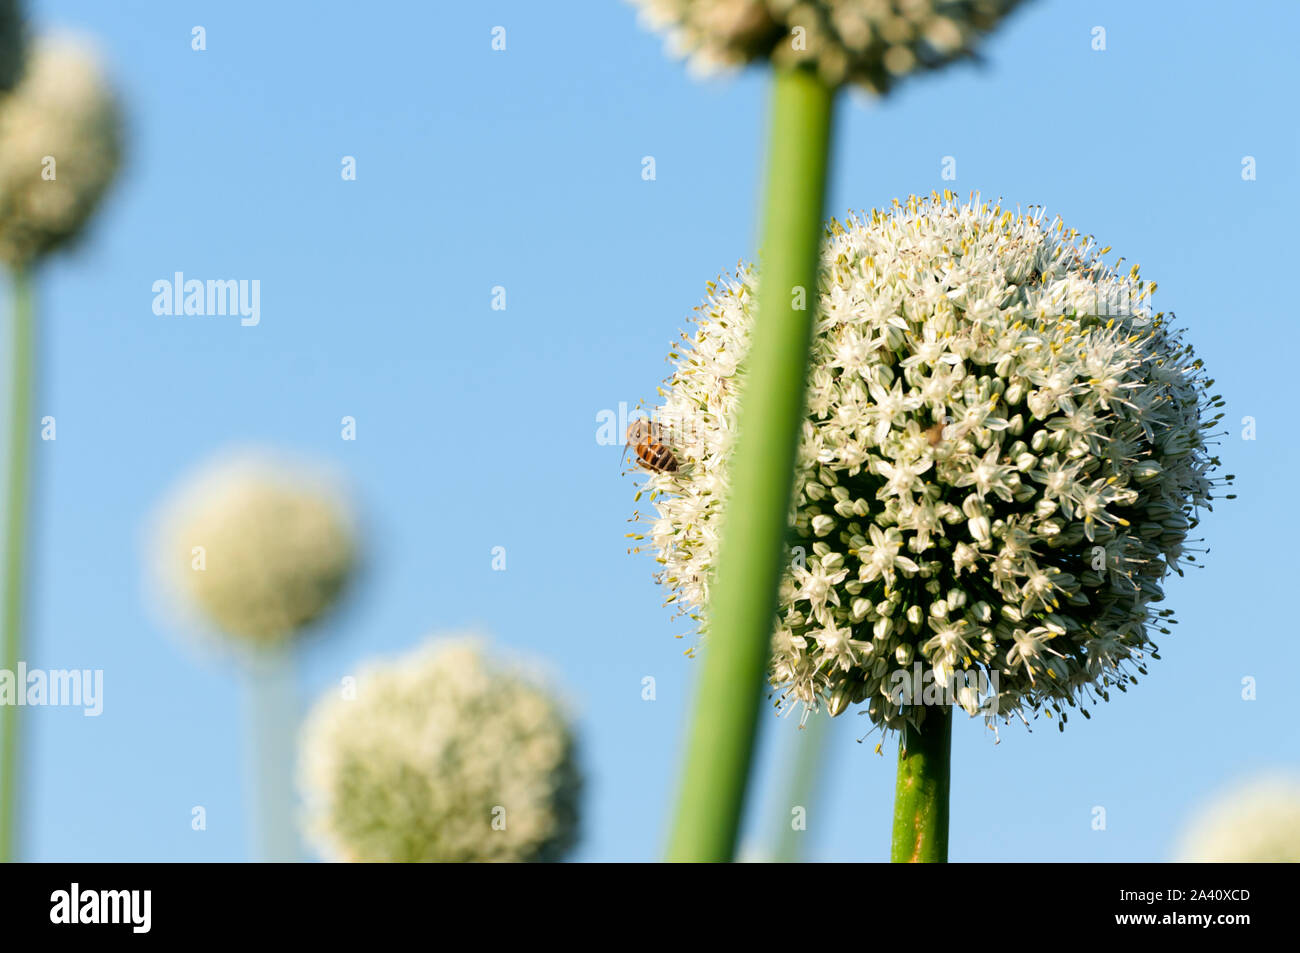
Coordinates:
(644, 437)
(935, 434)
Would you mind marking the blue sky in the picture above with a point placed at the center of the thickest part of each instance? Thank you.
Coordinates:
(522, 169)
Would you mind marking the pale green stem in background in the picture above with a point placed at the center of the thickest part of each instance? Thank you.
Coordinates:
(21, 356)
(272, 720)
(743, 602)
(802, 773)
(921, 794)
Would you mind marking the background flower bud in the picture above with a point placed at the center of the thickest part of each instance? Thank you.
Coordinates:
(60, 147)
(256, 548)
(1257, 822)
(444, 755)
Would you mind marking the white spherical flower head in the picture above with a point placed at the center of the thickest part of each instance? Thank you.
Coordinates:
(60, 146)
(869, 43)
(1005, 449)
(1258, 823)
(11, 43)
(257, 549)
(441, 756)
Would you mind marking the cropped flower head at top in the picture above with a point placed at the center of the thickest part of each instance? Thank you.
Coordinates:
(256, 549)
(869, 43)
(60, 147)
(443, 755)
(1004, 452)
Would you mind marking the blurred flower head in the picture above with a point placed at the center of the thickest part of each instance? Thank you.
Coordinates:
(60, 146)
(11, 43)
(1004, 452)
(442, 755)
(869, 43)
(1257, 823)
(256, 548)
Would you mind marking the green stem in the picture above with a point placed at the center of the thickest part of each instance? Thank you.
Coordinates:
(272, 724)
(22, 352)
(921, 795)
(806, 762)
(750, 563)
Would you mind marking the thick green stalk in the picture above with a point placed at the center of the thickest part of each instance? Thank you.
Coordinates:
(743, 601)
(21, 355)
(921, 796)
(272, 725)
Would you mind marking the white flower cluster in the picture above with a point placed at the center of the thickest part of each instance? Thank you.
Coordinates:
(60, 146)
(1004, 452)
(11, 43)
(257, 548)
(1258, 823)
(870, 43)
(442, 756)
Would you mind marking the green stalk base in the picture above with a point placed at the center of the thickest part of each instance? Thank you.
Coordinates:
(921, 796)
(272, 725)
(806, 768)
(22, 352)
